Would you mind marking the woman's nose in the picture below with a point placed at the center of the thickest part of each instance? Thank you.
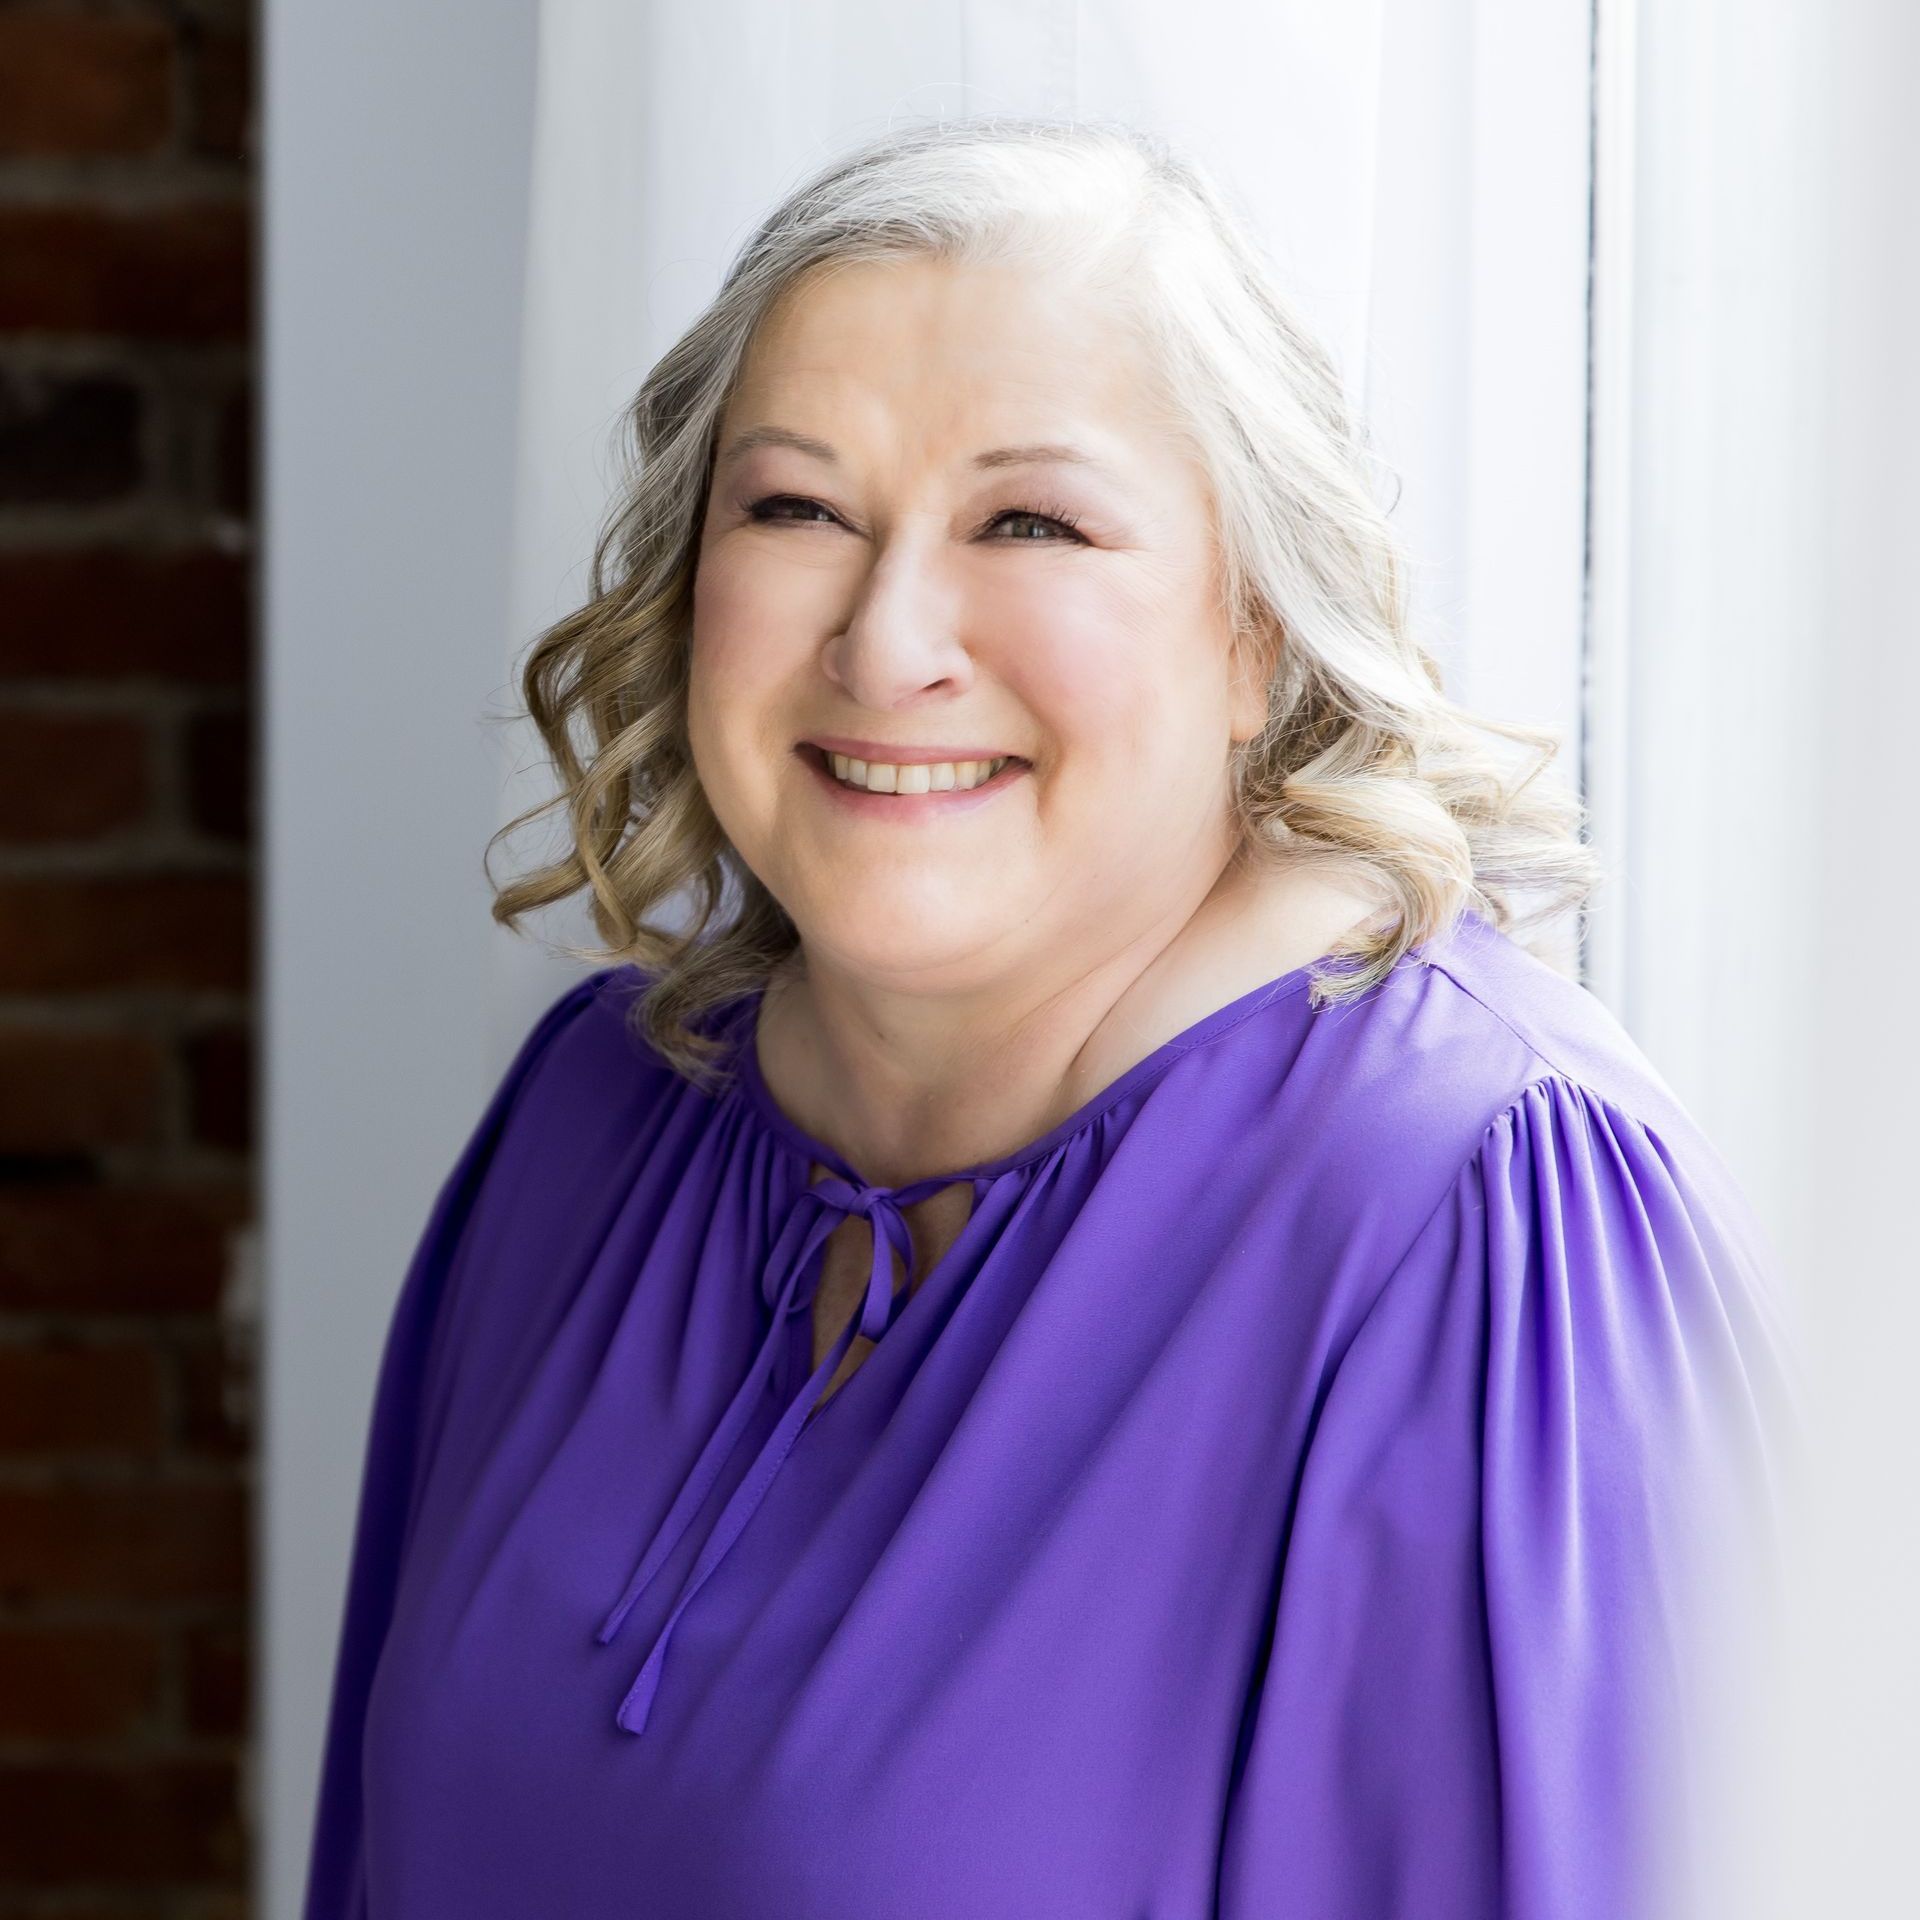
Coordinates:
(907, 633)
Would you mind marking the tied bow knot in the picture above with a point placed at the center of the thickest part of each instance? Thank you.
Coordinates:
(788, 1283)
(794, 1272)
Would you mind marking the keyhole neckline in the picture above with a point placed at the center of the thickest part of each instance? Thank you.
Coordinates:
(760, 1100)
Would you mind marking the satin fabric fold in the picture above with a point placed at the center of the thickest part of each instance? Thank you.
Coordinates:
(788, 1283)
(1329, 1477)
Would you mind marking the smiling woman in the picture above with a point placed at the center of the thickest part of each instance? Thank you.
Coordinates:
(925, 589)
(1093, 1336)
(1015, 430)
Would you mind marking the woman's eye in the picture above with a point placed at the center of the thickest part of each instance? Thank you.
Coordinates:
(770, 509)
(764, 509)
(1062, 523)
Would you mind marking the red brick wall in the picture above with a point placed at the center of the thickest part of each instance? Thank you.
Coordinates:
(126, 822)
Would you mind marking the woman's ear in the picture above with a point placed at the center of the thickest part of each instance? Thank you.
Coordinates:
(1254, 657)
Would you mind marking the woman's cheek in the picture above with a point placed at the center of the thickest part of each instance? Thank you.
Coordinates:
(736, 622)
(1089, 702)
(1062, 657)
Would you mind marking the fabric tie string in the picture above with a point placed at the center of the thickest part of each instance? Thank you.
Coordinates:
(787, 1285)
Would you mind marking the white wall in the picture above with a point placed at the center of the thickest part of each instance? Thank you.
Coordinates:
(397, 137)
(1841, 1839)
(1476, 355)
(1708, 471)
(1755, 673)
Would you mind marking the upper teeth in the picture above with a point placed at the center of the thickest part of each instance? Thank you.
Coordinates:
(938, 776)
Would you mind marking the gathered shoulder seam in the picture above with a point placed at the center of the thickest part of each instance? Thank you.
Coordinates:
(1507, 1114)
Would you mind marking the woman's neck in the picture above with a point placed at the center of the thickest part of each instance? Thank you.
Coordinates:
(905, 1089)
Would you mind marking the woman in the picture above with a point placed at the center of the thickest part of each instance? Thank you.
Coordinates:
(1094, 1337)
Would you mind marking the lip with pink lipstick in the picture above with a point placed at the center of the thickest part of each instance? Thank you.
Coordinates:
(908, 783)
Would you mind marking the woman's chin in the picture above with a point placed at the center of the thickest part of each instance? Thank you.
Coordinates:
(896, 950)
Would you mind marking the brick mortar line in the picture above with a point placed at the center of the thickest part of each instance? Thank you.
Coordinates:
(128, 183)
(160, 1473)
(178, 1335)
(57, 1008)
(166, 1167)
(114, 1007)
(160, 850)
(150, 526)
(62, 1473)
(42, 352)
(202, 12)
(175, 1157)
(159, 1173)
(159, 1739)
(163, 1611)
(164, 850)
(124, 697)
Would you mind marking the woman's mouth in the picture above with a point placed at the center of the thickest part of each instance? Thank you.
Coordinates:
(915, 786)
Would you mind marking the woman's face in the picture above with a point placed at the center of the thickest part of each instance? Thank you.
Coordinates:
(887, 571)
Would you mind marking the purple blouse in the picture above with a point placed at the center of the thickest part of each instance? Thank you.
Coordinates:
(1310, 1486)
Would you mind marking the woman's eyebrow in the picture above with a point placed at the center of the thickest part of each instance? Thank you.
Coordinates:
(748, 438)
(1037, 453)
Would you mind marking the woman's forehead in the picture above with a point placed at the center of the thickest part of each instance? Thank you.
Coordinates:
(1009, 373)
(935, 323)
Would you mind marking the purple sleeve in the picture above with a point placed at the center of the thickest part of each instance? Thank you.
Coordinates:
(1521, 1584)
(399, 1440)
